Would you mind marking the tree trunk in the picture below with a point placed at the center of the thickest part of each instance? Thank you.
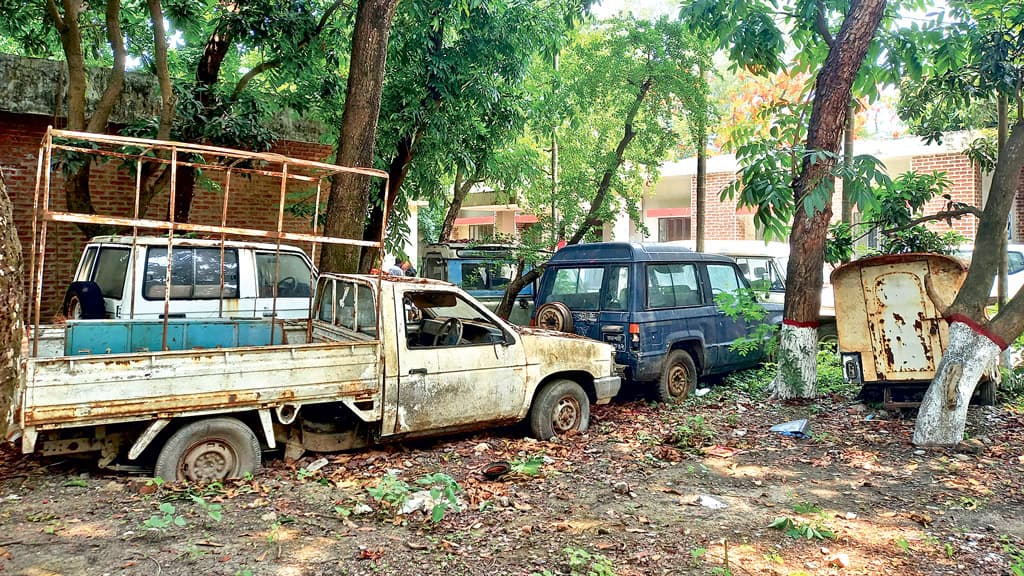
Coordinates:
(797, 373)
(350, 193)
(975, 345)
(11, 308)
(459, 192)
(508, 299)
(943, 413)
(702, 192)
(398, 169)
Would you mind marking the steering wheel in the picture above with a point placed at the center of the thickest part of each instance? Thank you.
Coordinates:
(450, 333)
(286, 286)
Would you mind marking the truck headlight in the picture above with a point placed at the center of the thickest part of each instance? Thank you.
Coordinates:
(852, 370)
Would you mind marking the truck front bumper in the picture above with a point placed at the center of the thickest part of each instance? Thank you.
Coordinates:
(606, 388)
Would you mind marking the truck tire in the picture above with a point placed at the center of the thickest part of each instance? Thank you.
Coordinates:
(561, 406)
(208, 450)
(678, 378)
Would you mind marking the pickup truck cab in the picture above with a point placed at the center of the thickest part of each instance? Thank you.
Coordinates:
(656, 304)
(122, 277)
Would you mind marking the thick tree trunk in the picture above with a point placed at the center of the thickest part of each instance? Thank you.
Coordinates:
(508, 299)
(398, 169)
(350, 193)
(943, 413)
(975, 344)
(11, 308)
(797, 375)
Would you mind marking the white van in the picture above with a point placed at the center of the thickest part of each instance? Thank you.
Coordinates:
(764, 264)
(112, 282)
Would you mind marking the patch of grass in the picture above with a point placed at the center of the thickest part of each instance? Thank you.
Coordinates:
(806, 508)
(754, 382)
(693, 434)
(830, 374)
(774, 558)
(902, 545)
(580, 562)
(528, 466)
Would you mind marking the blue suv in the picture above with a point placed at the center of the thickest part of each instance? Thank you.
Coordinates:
(656, 304)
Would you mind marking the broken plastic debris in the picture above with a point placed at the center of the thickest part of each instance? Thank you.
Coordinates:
(316, 464)
(701, 391)
(795, 428)
(709, 502)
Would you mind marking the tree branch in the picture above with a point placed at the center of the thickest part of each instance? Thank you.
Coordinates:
(58, 21)
(822, 26)
(101, 116)
(156, 17)
(944, 215)
(275, 62)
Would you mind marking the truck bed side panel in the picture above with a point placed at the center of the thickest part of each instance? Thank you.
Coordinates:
(111, 388)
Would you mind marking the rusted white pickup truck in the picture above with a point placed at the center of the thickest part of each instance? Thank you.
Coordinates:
(199, 398)
(389, 358)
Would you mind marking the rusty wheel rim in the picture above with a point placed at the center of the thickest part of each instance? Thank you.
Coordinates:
(551, 320)
(566, 416)
(211, 459)
(678, 381)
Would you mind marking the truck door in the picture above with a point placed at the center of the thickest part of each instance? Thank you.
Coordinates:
(457, 364)
(288, 278)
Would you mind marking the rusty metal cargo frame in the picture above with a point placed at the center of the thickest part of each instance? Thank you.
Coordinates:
(149, 151)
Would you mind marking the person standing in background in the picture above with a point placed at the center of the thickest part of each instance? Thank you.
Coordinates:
(407, 268)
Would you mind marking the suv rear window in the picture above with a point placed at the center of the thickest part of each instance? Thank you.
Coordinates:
(577, 288)
(109, 271)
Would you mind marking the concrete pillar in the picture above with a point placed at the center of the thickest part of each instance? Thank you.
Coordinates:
(505, 222)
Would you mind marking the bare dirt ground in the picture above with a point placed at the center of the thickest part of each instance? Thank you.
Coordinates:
(624, 499)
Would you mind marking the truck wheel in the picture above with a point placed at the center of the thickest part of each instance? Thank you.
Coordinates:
(561, 406)
(208, 450)
(83, 301)
(679, 377)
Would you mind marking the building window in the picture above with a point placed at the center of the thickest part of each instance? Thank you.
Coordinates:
(673, 229)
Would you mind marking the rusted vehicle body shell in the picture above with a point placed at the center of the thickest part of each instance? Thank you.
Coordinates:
(886, 311)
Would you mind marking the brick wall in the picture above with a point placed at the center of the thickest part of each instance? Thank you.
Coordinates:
(965, 187)
(253, 202)
(720, 221)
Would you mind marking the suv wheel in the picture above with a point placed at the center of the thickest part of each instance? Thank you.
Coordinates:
(679, 377)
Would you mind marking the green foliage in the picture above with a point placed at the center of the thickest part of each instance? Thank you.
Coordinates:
(529, 466)
(806, 508)
(391, 491)
(744, 305)
(165, 519)
(444, 491)
(755, 382)
(798, 530)
(830, 373)
(584, 563)
(693, 434)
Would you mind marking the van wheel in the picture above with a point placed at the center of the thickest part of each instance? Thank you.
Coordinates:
(209, 450)
(560, 407)
(679, 377)
(83, 301)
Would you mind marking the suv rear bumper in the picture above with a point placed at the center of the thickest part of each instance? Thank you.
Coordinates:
(606, 388)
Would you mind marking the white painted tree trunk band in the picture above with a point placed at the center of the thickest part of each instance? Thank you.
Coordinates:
(943, 413)
(797, 376)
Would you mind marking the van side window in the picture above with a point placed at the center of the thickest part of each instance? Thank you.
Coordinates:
(292, 277)
(577, 288)
(723, 278)
(110, 270)
(195, 274)
(672, 285)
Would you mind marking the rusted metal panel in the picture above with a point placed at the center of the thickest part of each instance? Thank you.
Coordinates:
(88, 390)
(887, 310)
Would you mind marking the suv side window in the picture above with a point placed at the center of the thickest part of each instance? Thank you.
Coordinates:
(616, 293)
(672, 285)
(723, 278)
(195, 273)
(578, 288)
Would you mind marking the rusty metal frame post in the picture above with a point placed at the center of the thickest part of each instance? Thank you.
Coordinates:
(223, 239)
(36, 275)
(313, 270)
(172, 193)
(277, 252)
(135, 230)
